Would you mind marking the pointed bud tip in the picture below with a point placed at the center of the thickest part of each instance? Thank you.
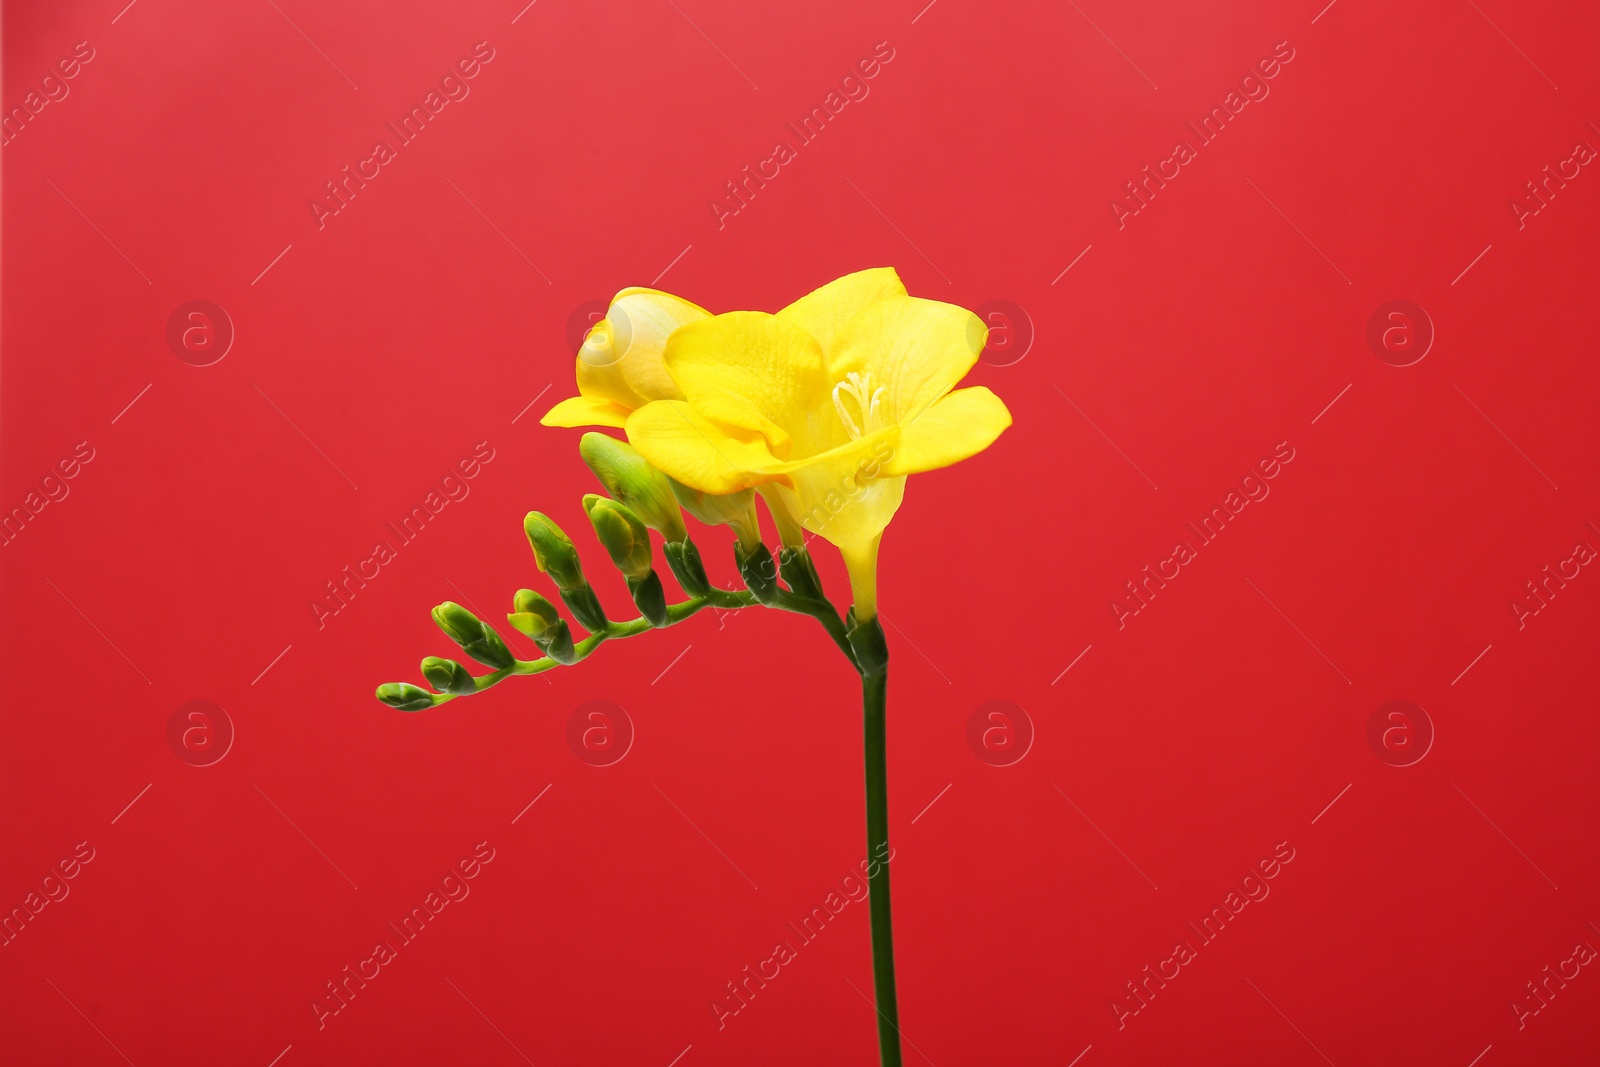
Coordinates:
(457, 622)
(553, 550)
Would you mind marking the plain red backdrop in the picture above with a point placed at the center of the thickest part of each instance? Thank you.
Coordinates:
(374, 351)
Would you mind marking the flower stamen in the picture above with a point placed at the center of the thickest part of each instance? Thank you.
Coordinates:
(858, 387)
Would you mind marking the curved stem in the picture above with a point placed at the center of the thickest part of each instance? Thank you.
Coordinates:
(760, 573)
(874, 694)
(722, 598)
(821, 610)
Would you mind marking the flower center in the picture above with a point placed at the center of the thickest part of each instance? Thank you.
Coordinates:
(857, 389)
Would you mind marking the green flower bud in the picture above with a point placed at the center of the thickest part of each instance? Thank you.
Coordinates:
(447, 676)
(585, 607)
(624, 536)
(796, 567)
(405, 696)
(541, 620)
(554, 641)
(458, 624)
(629, 478)
(650, 598)
(684, 559)
(735, 509)
(527, 602)
(553, 551)
(492, 650)
(527, 624)
(474, 636)
(759, 571)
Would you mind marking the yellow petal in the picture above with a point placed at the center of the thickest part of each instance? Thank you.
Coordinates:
(782, 505)
(620, 360)
(844, 494)
(643, 320)
(583, 411)
(824, 312)
(842, 505)
(598, 372)
(959, 425)
(915, 350)
(685, 445)
(861, 563)
(673, 305)
(758, 372)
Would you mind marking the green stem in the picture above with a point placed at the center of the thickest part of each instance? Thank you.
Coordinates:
(760, 573)
(874, 694)
(722, 598)
(823, 612)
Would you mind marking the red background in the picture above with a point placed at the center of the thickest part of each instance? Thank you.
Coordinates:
(1221, 720)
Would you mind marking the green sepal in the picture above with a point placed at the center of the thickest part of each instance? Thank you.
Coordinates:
(557, 643)
(651, 598)
(869, 645)
(798, 569)
(585, 607)
(684, 559)
(759, 572)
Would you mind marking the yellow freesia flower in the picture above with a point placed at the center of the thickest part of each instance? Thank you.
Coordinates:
(620, 369)
(826, 406)
(619, 365)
